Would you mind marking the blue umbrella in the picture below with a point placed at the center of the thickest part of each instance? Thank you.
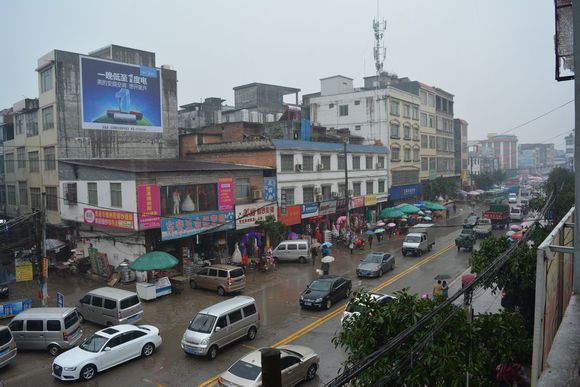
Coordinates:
(326, 244)
(370, 232)
(427, 218)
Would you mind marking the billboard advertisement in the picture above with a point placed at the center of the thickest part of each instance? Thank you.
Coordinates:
(187, 225)
(248, 214)
(109, 218)
(148, 207)
(120, 96)
(226, 194)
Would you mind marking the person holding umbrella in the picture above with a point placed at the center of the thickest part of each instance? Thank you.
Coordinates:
(314, 252)
(370, 237)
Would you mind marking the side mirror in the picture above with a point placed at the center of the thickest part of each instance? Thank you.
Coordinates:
(217, 329)
(107, 349)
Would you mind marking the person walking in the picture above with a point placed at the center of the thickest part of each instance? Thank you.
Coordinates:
(454, 208)
(325, 251)
(444, 289)
(370, 241)
(351, 244)
(314, 253)
(437, 289)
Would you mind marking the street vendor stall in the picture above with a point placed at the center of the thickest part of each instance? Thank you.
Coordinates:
(154, 287)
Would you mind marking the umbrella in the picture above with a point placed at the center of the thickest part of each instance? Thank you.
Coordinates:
(428, 211)
(370, 232)
(315, 244)
(408, 208)
(327, 259)
(420, 213)
(379, 230)
(434, 206)
(380, 223)
(155, 260)
(442, 277)
(403, 219)
(515, 227)
(427, 218)
(527, 224)
(53, 244)
(517, 235)
(326, 244)
(510, 233)
(389, 213)
(391, 225)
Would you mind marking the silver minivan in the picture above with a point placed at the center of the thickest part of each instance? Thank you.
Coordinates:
(55, 329)
(220, 324)
(109, 306)
(7, 346)
(296, 250)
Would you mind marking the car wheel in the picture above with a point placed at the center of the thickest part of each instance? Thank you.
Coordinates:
(193, 284)
(381, 273)
(88, 372)
(81, 318)
(302, 260)
(54, 350)
(212, 353)
(311, 374)
(404, 253)
(148, 350)
(221, 291)
(252, 333)
(328, 304)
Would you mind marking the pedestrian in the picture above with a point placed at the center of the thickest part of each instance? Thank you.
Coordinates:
(370, 241)
(325, 251)
(445, 289)
(454, 208)
(447, 212)
(325, 268)
(314, 253)
(351, 245)
(437, 289)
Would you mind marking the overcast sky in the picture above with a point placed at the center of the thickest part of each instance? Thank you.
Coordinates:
(495, 56)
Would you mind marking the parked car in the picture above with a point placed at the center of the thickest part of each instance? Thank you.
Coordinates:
(471, 221)
(513, 198)
(298, 363)
(325, 291)
(355, 307)
(7, 346)
(218, 325)
(375, 264)
(105, 349)
(483, 228)
(293, 250)
(224, 279)
(110, 306)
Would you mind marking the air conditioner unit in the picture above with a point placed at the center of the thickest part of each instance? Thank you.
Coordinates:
(256, 194)
(317, 190)
(319, 198)
(298, 167)
(320, 167)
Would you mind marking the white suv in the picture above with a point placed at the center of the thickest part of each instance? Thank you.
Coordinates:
(354, 307)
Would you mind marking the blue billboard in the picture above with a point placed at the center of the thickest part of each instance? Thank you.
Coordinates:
(120, 96)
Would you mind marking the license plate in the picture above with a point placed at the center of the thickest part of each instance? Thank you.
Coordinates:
(3, 352)
(133, 318)
(308, 303)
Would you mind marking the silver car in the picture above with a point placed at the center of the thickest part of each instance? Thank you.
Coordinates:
(375, 265)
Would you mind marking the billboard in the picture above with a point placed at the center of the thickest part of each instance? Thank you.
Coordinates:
(120, 96)
(226, 194)
(109, 218)
(182, 226)
(148, 206)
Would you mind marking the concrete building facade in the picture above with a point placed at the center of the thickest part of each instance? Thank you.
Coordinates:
(537, 158)
(504, 148)
(461, 148)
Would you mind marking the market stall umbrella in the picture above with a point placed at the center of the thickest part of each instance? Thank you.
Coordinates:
(420, 213)
(403, 219)
(428, 211)
(391, 225)
(435, 206)
(527, 224)
(517, 235)
(155, 260)
(327, 259)
(515, 227)
(326, 244)
(442, 277)
(428, 218)
(391, 213)
(379, 230)
(408, 208)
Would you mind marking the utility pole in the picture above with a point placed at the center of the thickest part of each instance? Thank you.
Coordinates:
(576, 21)
(346, 195)
(44, 261)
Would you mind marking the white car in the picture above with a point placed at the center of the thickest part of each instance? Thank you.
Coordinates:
(355, 307)
(513, 198)
(105, 349)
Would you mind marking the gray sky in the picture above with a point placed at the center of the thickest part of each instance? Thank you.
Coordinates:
(495, 56)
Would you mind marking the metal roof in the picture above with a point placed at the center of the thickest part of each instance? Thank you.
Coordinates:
(328, 146)
(140, 166)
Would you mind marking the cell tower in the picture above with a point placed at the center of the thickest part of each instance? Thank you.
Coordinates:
(380, 52)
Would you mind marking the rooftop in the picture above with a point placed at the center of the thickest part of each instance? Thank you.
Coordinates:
(141, 166)
(287, 90)
(327, 146)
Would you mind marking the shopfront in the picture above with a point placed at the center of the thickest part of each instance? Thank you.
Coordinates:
(250, 239)
(309, 214)
(404, 194)
(371, 208)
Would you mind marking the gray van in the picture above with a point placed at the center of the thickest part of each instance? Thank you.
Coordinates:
(7, 346)
(220, 324)
(55, 329)
(296, 250)
(109, 306)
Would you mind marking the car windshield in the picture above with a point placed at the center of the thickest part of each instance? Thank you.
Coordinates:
(373, 258)
(319, 285)
(413, 239)
(202, 323)
(94, 343)
(245, 370)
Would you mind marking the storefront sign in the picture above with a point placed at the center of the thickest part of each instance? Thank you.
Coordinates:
(109, 218)
(270, 189)
(188, 225)
(248, 214)
(370, 200)
(382, 197)
(341, 206)
(292, 215)
(357, 202)
(309, 210)
(405, 191)
(23, 268)
(148, 206)
(327, 208)
(226, 194)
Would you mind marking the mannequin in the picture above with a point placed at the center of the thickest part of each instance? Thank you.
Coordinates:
(176, 202)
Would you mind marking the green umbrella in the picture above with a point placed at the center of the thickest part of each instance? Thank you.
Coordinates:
(434, 206)
(391, 213)
(155, 260)
(408, 208)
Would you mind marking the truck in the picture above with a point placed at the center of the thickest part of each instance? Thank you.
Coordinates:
(466, 239)
(499, 214)
(419, 240)
(483, 228)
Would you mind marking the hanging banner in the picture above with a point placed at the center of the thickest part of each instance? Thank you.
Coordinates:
(370, 200)
(309, 210)
(248, 214)
(226, 194)
(183, 226)
(327, 208)
(270, 189)
(23, 268)
(382, 197)
(357, 202)
(109, 218)
(292, 215)
(341, 205)
(148, 207)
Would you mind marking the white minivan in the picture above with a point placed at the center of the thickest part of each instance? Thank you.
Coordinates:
(295, 250)
(516, 214)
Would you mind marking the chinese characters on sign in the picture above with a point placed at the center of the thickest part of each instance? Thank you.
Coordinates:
(226, 193)
(357, 202)
(270, 188)
(327, 208)
(188, 225)
(292, 215)
(148, 206)
(247, 215)
(109, 218)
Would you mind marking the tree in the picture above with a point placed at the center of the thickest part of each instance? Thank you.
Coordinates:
(275, 131)
(274, 229)
(433, 356)
(440, 187)
(487, 180)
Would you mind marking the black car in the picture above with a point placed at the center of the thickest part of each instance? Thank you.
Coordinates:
(471, 221)
(325, 291)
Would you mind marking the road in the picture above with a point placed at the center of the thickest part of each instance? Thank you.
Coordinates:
(282, 320)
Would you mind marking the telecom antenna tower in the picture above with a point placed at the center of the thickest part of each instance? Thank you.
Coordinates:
(379, 53)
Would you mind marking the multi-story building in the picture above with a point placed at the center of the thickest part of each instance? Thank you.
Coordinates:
(461, 149)
(504, 148)
(570, 150)
(537, 158)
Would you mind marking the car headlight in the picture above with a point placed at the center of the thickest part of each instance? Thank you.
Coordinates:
(301, 298)
(318, 300)
(70, 368)
(204, 341)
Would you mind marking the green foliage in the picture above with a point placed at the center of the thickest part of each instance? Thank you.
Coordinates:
(443, 359)
(440, 186)
(274, 229)
(275, 131)
(487, 180)
(562, 180)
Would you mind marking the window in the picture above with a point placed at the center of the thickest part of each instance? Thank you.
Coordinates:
(423, 97)
(431, 99)
(415, 154)
(33, 162)
(343, 110)
(222, 322)
(292, 246)
(288, 361)
(424, 141)
(97, 301)
(357, 127)
(407, 154)
(395, 153)
(406, 111)
(369, 162)
(356, 189)
(341, 191)
(93, 194)
(431, 121)
(424, 163)
(53, 325)
(308, 194)
(432, 163)
(407, 133)
(222, 274)
(331, 106)
(326, 191)
(394, 108)
(325, 161)
(415, 134)
(432, 142)
(19, 124)
(35, 198)
(308, 163)
(356, 162)
(46, 80)
(49, 159)
(17, 325)
(395, 131)
(21, 157)
(235, 316)
(424, 121)
(288, 196)
(287, 163)
(31, 125)
(23, 193)
(116, 195)
(381, 162)
(415, 113)
(9, 160)
(129, 302)
(110, 304)
(405, 177)
(70, 193)
(35, 325)
(357, 102)
(242, 188)
(369, 187)
(48, 118)
(249, 310)
(11, 194)
(341, 162)
(381, 186)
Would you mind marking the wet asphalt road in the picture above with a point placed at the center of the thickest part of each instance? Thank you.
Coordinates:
(282, 320)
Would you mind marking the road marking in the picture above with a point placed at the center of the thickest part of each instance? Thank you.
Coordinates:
(336, 312)
(154, 383)
(249, 346)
